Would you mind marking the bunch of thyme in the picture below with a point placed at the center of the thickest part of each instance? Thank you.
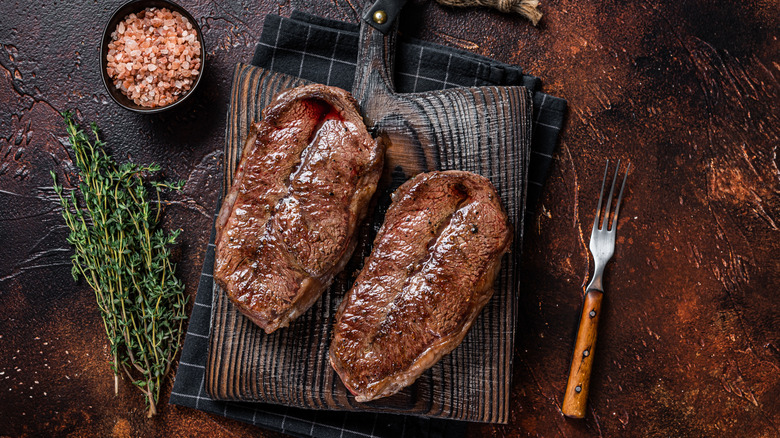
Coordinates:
(126, 260)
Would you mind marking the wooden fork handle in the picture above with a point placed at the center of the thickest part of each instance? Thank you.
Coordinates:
(576, 397)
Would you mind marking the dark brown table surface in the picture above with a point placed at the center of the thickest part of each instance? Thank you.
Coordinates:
(688, 91)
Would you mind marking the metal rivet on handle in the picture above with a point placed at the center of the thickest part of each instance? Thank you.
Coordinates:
(380, 17)
(592, 313)
(586, 353)
(578, 388)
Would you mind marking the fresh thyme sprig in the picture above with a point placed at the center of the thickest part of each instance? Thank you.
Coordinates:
(125, 258)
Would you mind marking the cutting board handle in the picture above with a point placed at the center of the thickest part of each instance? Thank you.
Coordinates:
(423, 130)
(373, 87)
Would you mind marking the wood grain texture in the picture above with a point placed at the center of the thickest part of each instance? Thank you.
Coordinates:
(576, 397)
(483, 130)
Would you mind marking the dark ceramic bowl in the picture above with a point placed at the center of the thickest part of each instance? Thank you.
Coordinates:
(120, 14)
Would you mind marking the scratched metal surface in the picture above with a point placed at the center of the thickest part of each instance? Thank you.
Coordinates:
(690, 341)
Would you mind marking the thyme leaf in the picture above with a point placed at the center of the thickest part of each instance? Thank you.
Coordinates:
(125, 258)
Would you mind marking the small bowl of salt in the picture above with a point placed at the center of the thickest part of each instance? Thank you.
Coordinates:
(152, 55)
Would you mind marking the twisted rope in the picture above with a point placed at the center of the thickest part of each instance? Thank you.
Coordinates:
(526, 8)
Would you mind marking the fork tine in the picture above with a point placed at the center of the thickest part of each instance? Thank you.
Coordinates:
(620, 198)
(601, 197)
(609, 201)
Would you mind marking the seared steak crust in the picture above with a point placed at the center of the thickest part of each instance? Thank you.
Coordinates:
(287, 225)
(429, 274)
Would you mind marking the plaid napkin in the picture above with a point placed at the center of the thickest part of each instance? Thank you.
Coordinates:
(325, 51)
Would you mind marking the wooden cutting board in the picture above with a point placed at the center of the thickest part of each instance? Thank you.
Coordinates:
(486, 130)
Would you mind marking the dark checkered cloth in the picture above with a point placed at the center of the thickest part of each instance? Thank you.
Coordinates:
(324, 51)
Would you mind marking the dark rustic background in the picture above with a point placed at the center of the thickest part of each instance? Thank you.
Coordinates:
(688, 91)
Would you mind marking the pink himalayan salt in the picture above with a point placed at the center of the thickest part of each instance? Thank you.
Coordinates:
(153, 57)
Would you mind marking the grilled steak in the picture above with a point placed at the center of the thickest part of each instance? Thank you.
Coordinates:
(287, 225)
(430, 273)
